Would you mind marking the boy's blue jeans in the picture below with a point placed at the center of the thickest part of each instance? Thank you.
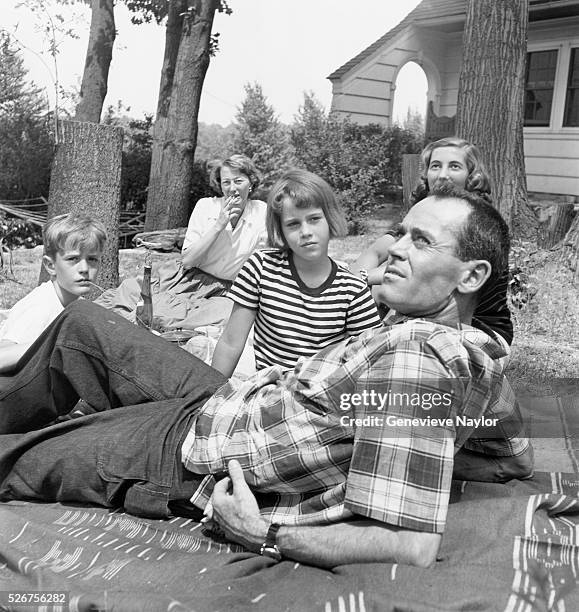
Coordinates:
(129, 456)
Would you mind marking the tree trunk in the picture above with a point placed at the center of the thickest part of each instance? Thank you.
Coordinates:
(98, 60)
(411, 168)
(167, 202)
(570, 247)
(490, 102)
(172, 40)
(554, 223)
(86, 178)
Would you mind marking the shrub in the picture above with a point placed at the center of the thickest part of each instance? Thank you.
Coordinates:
(362, 162)
(136, 163)
(26, 144)
(260, 135)
(18, 233)
(200, 187)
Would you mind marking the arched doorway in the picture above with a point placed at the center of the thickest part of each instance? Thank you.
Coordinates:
(410, 91)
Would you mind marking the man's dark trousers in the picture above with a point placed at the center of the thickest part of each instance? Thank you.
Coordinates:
(145, 391)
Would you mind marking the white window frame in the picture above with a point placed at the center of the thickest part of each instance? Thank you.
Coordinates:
(559, 86)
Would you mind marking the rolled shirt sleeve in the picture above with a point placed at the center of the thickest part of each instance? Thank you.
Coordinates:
(401, 474)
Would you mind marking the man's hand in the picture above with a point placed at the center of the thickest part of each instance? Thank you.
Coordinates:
(234, 509)
(10, 354)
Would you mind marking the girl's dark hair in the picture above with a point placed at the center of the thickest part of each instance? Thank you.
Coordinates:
(306, 190)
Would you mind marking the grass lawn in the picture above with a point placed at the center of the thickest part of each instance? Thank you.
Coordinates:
(546, 344)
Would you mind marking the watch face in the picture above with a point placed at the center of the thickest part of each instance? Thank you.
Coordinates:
(271, 551)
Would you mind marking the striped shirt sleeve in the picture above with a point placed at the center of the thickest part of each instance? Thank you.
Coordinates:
(246, 288)
(362, 313)
(401, 475)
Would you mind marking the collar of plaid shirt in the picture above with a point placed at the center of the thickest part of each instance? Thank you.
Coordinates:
(310, 460)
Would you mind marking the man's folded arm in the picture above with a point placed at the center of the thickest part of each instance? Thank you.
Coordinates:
(234, 509)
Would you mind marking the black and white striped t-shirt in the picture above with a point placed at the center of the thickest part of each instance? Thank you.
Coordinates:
(294, 320)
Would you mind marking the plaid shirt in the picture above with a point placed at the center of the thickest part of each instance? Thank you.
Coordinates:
(310, 456)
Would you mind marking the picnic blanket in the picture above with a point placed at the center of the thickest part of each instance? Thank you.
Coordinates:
(511, 547)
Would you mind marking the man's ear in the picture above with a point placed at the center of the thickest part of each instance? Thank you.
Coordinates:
(48, 264)
(474, 276)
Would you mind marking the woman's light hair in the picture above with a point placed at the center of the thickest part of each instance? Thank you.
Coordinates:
(477, 180)
(241, 163)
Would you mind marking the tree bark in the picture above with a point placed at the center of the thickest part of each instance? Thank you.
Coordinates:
(86, 178)
(570, 247)
(490, 102)
(411, 168)
(172, 39)
(554, 223)
(98, 60)
(167, 202)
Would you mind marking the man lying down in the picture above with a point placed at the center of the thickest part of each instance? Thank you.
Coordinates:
(337, 461)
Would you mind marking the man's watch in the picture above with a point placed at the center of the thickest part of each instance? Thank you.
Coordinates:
(269, 548)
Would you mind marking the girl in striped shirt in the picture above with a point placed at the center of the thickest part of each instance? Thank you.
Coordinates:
(299, 298)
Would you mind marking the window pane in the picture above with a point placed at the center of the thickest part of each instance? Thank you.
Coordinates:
(571, 117)
(538, 107)
(539, 83)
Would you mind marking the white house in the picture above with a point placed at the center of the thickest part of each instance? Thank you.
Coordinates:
(431, 36)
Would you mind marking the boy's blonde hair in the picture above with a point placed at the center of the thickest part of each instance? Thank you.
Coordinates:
(70, 231)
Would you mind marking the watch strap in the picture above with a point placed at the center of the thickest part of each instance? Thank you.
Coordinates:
(270, 548)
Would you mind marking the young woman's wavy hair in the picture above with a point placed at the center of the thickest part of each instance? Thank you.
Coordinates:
(307, 190)
(478, 180)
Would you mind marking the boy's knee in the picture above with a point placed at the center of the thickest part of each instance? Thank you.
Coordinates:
(80, 306)
(81, 312)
